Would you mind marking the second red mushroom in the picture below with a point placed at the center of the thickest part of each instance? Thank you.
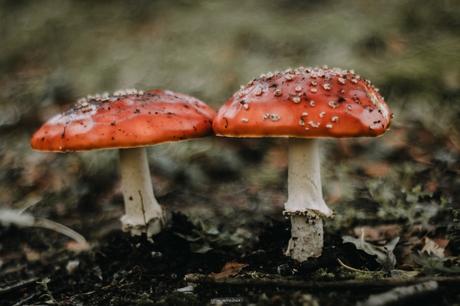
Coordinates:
(303, 105)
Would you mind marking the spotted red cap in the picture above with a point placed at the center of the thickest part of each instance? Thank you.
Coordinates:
(305, 102)
(128, 118)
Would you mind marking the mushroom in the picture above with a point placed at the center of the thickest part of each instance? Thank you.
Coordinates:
(128, 120)
(305, 104)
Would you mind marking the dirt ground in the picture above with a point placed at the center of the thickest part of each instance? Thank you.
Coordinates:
(226, 235)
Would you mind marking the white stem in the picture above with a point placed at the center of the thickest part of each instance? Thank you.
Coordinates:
(304, 178)
(143, 214)
(305, 202)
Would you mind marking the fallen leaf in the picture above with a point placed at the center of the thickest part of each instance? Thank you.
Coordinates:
(420, 155)
(376, 169)
(431, 186)
(229, 269)
(31, 255)
(442, 242)
(384, 254)
(431, 248)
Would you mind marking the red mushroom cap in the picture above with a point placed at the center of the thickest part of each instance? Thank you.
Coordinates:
(306, 103)
(129, 118)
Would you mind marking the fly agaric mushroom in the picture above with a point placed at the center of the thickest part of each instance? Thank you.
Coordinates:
(128, 120)
(303, 104)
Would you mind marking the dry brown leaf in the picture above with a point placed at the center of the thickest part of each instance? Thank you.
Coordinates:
(442, 242)
(420, 155)
(31, 255)
(377, 169)
(230, 269)
(431, 248)
(431, 186)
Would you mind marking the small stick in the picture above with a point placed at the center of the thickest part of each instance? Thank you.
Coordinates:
(351, 268)
(326, 285)
(13, 217)
(25, 300)
(18, 285)
(399, 294)
(62, 229)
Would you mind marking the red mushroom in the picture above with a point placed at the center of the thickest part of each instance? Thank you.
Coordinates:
(304, 104)
(128, 120)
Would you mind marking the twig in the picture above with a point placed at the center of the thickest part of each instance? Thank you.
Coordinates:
(18, 285)
(25, 300)
(13, 217)
(62, 229)
(12, 270)
(326, 285)
(399, 294)
(351, 268)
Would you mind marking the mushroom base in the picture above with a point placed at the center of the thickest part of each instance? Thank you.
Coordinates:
(137, 227)
(306, 237)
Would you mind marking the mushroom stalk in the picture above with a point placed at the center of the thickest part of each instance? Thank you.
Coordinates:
(305, 204)
(143, 214)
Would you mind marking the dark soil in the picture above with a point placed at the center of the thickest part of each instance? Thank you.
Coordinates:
(124, 270)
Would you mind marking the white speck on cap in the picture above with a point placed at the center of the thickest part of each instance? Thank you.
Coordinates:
(296, 99)
(313, 124)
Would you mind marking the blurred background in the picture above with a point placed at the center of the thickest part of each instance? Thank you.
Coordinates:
(53, 52)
